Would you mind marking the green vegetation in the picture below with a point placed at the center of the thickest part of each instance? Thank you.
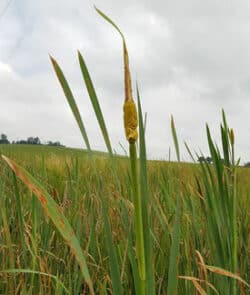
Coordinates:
(79, 185)
(83, 222)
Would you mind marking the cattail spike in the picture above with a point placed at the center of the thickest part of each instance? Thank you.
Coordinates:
(232, 137)
(129, 108)
(130, 121)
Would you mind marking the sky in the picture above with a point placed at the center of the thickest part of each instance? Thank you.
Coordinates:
(190, 59)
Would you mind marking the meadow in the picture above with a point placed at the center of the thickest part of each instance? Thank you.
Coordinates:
(29, 240)
(85, 222)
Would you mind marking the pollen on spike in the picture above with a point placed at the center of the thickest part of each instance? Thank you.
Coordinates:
(130, 121)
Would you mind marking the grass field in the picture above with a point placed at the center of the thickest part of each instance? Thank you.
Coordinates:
(79, 185)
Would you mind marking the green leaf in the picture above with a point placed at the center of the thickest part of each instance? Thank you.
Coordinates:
(189, 152)
(174, 253)
(110, 21)
(71, 100)
(113, 263)
(52, 210)
(176, 144)
(95, 102)
(150, 280)
(30, 271)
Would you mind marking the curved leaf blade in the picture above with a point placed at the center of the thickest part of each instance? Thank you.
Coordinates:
(53, 211)
(95, 102)
(71, 100)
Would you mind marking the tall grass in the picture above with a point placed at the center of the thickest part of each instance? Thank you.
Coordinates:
(115, 225)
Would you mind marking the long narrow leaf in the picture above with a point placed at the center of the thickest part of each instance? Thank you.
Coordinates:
(113, 263)
(150, 280)
(95, 102)
(71, 100)
(110, 21)
(176, 144)
(226, 273)
(30, 271)
(53, 211)
(189, 152)
(174, 252)
(127, 76)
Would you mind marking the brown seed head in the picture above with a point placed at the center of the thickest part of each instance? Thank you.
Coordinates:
(232, 136)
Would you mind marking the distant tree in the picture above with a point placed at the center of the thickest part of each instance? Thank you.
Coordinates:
(4, 139)
(33, 140)
(201, 159)
(247, 165)
(209, 160)
(22, 141)
(30, 140)
(37, 140)
(56, 143)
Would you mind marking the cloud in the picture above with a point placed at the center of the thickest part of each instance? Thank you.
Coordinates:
(5, 68)
(189, 58)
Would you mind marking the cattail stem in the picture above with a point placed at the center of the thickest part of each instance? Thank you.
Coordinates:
(137, 214)
(235, 248)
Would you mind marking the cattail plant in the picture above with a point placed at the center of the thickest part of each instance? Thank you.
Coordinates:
(130, 126)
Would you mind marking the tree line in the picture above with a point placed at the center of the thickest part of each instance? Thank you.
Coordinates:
(209, 160)
(30, 140)
(36, 141)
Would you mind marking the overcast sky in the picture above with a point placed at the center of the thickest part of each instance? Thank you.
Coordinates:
(190, 58)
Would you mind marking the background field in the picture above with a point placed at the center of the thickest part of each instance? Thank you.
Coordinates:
(80, 185)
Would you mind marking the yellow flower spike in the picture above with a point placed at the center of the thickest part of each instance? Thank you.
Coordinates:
(130, 120)
(129, 108)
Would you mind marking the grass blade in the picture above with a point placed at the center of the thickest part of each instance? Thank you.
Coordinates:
(110, 21)
(226, 273)
(127, 77)
(72, 103)
(174, 252)
(113, 263)
(189, 152)
(193, 279)
(176, 144)
(6, 230)
(150, 280)
(52, 210)
(95, 102)
(19, 212)
(30, 271)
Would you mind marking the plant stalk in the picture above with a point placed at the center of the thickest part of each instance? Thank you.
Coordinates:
(138, 215)
(235, 248)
